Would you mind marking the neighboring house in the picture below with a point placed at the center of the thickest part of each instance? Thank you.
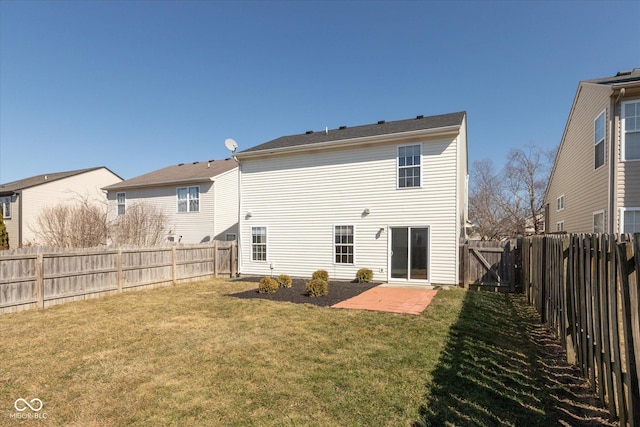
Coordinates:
(391, 197)
(595, 182)
(200, 199)
(23, 201)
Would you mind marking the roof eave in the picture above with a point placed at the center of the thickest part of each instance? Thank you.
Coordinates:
(160, 184)
(440, 131)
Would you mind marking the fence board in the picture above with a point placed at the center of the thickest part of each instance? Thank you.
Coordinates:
(40, 277)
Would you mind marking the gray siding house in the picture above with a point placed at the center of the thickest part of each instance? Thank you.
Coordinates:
(595, 181)
(200, 199)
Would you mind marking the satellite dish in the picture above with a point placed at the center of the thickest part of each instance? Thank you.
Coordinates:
(230, 144)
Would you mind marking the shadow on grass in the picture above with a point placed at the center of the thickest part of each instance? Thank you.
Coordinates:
(501, 367)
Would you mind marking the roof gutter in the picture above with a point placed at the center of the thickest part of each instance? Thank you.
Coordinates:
(441, 131)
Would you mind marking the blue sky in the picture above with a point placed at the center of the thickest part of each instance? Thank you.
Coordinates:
(139, 85)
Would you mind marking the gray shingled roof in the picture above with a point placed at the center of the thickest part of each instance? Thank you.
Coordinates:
(181, 173)
(621, 77)
(346, 133)
(21, 184)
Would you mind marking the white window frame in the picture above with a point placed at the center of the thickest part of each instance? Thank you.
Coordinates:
(265, 244)
(597, 141)
(560, 226)
(622, 213)
(351, 245)
(5, 205)
(623, 131)
(406, 167)
(123, 204)
(188, 200)
(604, 221)
(560, 203)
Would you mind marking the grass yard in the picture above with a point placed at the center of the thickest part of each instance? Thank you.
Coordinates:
(189, 355)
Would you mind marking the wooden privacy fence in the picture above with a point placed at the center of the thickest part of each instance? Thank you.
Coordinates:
(41, 277)
(490, 264)
(586, 289)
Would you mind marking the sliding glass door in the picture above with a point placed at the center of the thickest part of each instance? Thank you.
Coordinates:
(409, 253)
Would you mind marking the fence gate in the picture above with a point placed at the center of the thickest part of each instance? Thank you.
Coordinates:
(489, 264)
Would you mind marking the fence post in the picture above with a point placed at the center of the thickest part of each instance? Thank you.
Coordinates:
(234, 259)
(465, 265)
(174, 265)
(119, 273)
(215, 258)
(40, 281)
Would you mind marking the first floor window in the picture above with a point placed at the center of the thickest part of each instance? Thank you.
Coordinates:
(631, 221)
(409, 165)
(189, 199)
(230, 237)
(598, 222)
(6, 207)
(560, 226)
(631, 130)
(121, 199)
(258, 243)
(343, 244)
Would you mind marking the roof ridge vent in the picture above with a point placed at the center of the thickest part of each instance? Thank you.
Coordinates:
(180, 164)
(623, 73)
(309, 132)
(342, 127)
(380, 122)
(195, 163)
(420, 117)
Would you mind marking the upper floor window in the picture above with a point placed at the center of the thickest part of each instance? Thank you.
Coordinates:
(5, 205)
(189, 199)
(343, 244)
(631, 130)
(409, 166)
(599, 127)
(598, 222)
(560, 203)
(121, 199)
(630, 221)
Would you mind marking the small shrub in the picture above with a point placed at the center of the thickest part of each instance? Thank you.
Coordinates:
(364, 275)
(321, 274)
(317, 288)
(267, 286)
(284, 281)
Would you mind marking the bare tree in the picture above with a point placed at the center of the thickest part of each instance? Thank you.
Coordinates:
(80, 224)
(510, 202)
(143, 224)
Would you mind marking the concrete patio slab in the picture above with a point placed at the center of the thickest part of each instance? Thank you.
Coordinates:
(391, 299)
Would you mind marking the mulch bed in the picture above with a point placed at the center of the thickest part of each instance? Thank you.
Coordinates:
(338, 291)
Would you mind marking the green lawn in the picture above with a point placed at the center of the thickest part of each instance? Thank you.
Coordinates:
(190, 355)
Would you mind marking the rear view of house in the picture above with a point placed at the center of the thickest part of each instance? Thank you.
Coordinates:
(595, 182)
(389, 196)
(24, 200)
(199, 199)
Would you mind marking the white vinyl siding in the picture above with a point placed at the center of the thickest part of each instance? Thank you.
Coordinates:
(121, 199)
(343, 244)
(631, 130)
(599, 129)
(334, 187)
(188, 199)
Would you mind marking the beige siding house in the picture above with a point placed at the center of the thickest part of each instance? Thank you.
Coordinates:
(22, 201)
(595, 182)
(199, 199)
(390, 196)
